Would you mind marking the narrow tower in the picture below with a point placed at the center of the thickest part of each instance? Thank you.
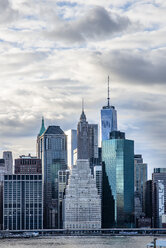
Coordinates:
(108, 118)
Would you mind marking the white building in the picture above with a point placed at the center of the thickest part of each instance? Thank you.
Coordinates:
(7, 156)
(81, 204)
(71, 146)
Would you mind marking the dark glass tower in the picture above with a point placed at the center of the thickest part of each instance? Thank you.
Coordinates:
(118, 156)
(51, 147)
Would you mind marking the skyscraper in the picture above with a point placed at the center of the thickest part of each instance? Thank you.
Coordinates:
(108, 121)
(81, 204)
(51, 147)
(87, 139)
(71, 146)
(118, 157)
(140, 178)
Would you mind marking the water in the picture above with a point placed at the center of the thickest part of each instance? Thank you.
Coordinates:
(78, 242)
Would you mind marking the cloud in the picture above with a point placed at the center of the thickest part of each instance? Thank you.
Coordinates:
(97, 24)
(7, 13)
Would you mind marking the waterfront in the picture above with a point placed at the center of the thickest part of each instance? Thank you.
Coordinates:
(79, 242)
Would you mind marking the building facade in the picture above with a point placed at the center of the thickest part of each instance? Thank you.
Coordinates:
(71, 146)
(7, 156)
(158, 178)
(140, 178)
(81, 204)
(28, 165)
(118, 157)
(23, 202)
(52, 150)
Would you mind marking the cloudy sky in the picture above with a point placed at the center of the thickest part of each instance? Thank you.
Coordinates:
(54, 53)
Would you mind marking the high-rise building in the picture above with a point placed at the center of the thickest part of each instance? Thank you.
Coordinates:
(71, 146)
(7, 156)
(108, 121)
(98, 178)
(3, 171)
(52, 150)
(81, 204)
(28, 165)
(87, 139)
(63, 176)
(158, 179)
(118, 157)
(148, 199)
(140, 178)
(23, 202)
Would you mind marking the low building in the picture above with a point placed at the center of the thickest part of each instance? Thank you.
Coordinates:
(23, 202)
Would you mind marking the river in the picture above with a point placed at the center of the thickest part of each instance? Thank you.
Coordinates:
(78, 242)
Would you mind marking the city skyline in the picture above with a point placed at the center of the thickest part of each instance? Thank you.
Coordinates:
(46, 69)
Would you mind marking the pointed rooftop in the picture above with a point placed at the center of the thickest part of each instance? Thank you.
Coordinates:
(42, 129)
(83, 116)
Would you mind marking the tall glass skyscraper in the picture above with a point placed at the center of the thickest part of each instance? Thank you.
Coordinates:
(118, 157)
(108, 121)
(52, 150)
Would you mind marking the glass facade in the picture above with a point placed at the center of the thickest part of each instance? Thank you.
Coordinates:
(108, 122)
(52, 149)
(23, 202)
(118, 156)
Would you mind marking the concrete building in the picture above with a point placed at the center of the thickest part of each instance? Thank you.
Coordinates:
(108, 122)
(7, 156)
(71, 146)
(118, 157)
(28, 165)
(52, 150)
(23, 202)
(87, 139)
(81, 204)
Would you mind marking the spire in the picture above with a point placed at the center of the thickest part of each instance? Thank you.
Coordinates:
(108, 98)
(83, 116)
(42, 129)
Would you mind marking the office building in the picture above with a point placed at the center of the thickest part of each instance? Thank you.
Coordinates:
(52, 150)
(98, 179)
(108, 122)
(7, 156)
(87, 139)
(23, 202)
(81, 204)
(71, 146)
(140, 178)
(28, 165)
(158, 182)
(63, 176)
(118, 157)
(148, 199)
(3, 171)
(108, 202)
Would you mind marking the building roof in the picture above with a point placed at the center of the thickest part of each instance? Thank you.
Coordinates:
(54, 130)
(42, 129)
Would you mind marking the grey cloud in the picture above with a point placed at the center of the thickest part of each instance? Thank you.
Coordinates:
(98, 24)
(7, 13)
(135, 67)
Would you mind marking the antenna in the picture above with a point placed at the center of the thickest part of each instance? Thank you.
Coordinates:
(108, 98)
(82, 104)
